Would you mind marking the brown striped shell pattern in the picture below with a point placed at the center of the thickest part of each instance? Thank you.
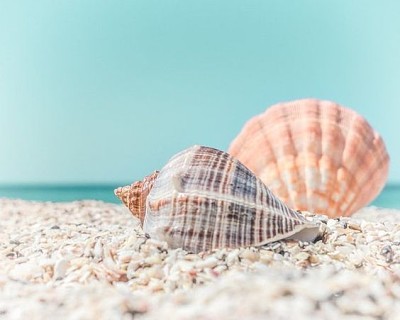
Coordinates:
(205, 199)
(315, 155)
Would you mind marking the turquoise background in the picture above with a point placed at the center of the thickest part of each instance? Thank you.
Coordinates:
(106, 91)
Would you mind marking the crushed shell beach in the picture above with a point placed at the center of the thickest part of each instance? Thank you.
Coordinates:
(91, 260)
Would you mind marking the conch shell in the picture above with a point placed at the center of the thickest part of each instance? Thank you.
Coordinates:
(315, 155)
(205, 199)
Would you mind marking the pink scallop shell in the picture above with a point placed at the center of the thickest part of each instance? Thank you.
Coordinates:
(315, 155)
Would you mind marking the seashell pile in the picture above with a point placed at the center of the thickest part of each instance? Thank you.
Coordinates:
(205, 199)
(315, 155)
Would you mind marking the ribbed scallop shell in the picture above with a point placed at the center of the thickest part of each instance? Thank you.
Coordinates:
(315, 155)
(205, 199)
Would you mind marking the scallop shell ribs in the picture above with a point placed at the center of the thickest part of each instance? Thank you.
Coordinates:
(205, 199)
(315, 155)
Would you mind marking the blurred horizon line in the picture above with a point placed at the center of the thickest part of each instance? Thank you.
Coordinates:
(66, 185)
(70, 192)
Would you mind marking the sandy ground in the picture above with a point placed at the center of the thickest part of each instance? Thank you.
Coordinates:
(90, 260)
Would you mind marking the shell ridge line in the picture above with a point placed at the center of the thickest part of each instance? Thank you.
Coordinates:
(322, 175)
(316, 118)
(379, 144)
(255, 226)
(266, 139)
(186, 164)
(235, 232)
(355, 181)
(273, 219)
(276, 127)
(202, 204)
(220, 191)
(337, 122)
(238, 180)
(211, 171)
(345, 127)
(296, 171)
(196, 175)
(352, 205)
(378, 166)
(220, 234)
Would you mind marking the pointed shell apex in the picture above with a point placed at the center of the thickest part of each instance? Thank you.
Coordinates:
(120, 192)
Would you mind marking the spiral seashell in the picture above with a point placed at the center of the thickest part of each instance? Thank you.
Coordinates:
(315, 155)
(205, 199)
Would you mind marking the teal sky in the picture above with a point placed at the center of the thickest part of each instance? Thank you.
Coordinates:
(107, 91)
